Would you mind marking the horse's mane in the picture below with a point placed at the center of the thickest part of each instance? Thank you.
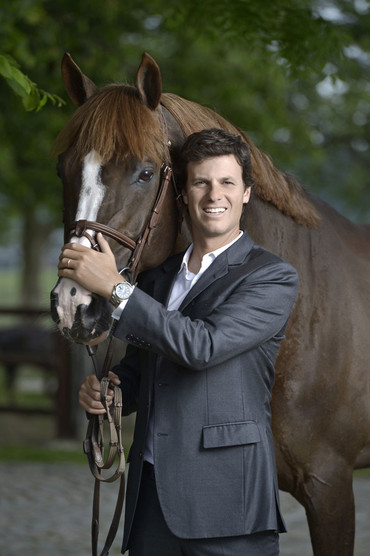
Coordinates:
(271, 185)
(101, 124)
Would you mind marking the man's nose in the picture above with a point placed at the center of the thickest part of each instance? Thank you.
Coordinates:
(214, 191)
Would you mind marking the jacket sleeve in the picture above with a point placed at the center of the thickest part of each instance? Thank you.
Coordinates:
(254, 310)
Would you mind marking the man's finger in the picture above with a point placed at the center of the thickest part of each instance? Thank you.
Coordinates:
(103, 244)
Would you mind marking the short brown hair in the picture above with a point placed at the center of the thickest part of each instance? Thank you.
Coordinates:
(209, 143)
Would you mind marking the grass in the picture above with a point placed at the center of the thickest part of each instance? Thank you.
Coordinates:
(9, 294)
(40, 397)
(10, 285)
(32, 438)
(45, 455)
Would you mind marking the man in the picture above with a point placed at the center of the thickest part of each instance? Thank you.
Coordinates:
(203, 331)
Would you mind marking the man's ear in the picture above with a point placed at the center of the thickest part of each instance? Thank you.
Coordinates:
(247, 195)
(184, 196)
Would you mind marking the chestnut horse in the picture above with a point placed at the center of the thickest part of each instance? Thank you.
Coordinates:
(112, 150)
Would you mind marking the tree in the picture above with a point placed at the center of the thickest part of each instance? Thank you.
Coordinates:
(268, 67)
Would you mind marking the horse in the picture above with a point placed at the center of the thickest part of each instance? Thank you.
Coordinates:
(110, 157)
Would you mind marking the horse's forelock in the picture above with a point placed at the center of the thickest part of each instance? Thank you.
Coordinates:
(116, 124)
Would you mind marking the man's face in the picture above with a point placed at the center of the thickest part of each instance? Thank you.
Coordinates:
(215, 195)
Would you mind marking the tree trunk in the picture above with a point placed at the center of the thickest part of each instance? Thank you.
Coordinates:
(34, 239)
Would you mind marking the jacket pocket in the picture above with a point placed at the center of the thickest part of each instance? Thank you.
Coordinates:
(230, 434)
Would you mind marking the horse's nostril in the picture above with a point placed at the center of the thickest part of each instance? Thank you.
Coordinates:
(66, 332)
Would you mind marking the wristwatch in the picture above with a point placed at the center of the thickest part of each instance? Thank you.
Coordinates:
(121, 292)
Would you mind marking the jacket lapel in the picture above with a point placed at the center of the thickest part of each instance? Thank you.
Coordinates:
(165, 276)
(218, 268)
(166, 273)
(234, 255)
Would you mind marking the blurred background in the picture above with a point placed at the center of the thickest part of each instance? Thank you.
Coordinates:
(294, 74)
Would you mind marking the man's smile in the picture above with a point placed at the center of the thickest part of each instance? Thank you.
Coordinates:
(218, 210)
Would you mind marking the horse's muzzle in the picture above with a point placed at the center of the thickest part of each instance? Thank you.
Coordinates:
(85, 323)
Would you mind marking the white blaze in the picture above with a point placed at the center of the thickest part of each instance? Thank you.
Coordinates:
(91, 197)
(92, 189)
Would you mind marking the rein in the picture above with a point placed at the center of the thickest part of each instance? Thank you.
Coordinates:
(94, 441)
(93, 447)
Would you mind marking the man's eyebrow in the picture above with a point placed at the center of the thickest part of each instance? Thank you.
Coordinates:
(200, 177)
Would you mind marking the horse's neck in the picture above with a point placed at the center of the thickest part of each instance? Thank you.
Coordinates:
(183, 239)
(335, 237)
(276, 232)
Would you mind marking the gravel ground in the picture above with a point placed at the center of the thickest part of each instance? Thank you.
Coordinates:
(46, 509)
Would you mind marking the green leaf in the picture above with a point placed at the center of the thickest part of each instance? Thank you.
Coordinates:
(31, 101)
(5, 66)
(9, 69)
(17, 88)
(43, 100)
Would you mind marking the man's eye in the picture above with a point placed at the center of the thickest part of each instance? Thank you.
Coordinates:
(145, 176)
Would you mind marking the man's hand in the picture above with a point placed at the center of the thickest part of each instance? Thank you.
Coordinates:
(96, 271)
(89, 394)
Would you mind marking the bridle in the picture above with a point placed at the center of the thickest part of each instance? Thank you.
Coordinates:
(94, 441)
(80, 227)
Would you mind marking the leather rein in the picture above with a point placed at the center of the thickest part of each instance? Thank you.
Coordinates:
(94, 441)
(93, 447)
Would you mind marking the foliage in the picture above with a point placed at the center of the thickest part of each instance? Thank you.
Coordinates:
(33, 98)
(292, 31)
(292, 73)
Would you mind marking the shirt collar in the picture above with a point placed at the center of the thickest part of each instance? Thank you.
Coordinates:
(208, 258)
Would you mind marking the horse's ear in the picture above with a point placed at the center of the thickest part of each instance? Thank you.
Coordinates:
(78, 86)
(149, 81)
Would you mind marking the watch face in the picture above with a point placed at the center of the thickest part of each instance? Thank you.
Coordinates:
(123, 290)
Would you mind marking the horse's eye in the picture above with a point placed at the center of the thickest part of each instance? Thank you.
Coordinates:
(145, 175)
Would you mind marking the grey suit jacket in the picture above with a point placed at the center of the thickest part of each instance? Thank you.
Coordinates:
(207, 372)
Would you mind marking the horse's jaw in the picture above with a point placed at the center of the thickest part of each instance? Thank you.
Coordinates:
(82, 317)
